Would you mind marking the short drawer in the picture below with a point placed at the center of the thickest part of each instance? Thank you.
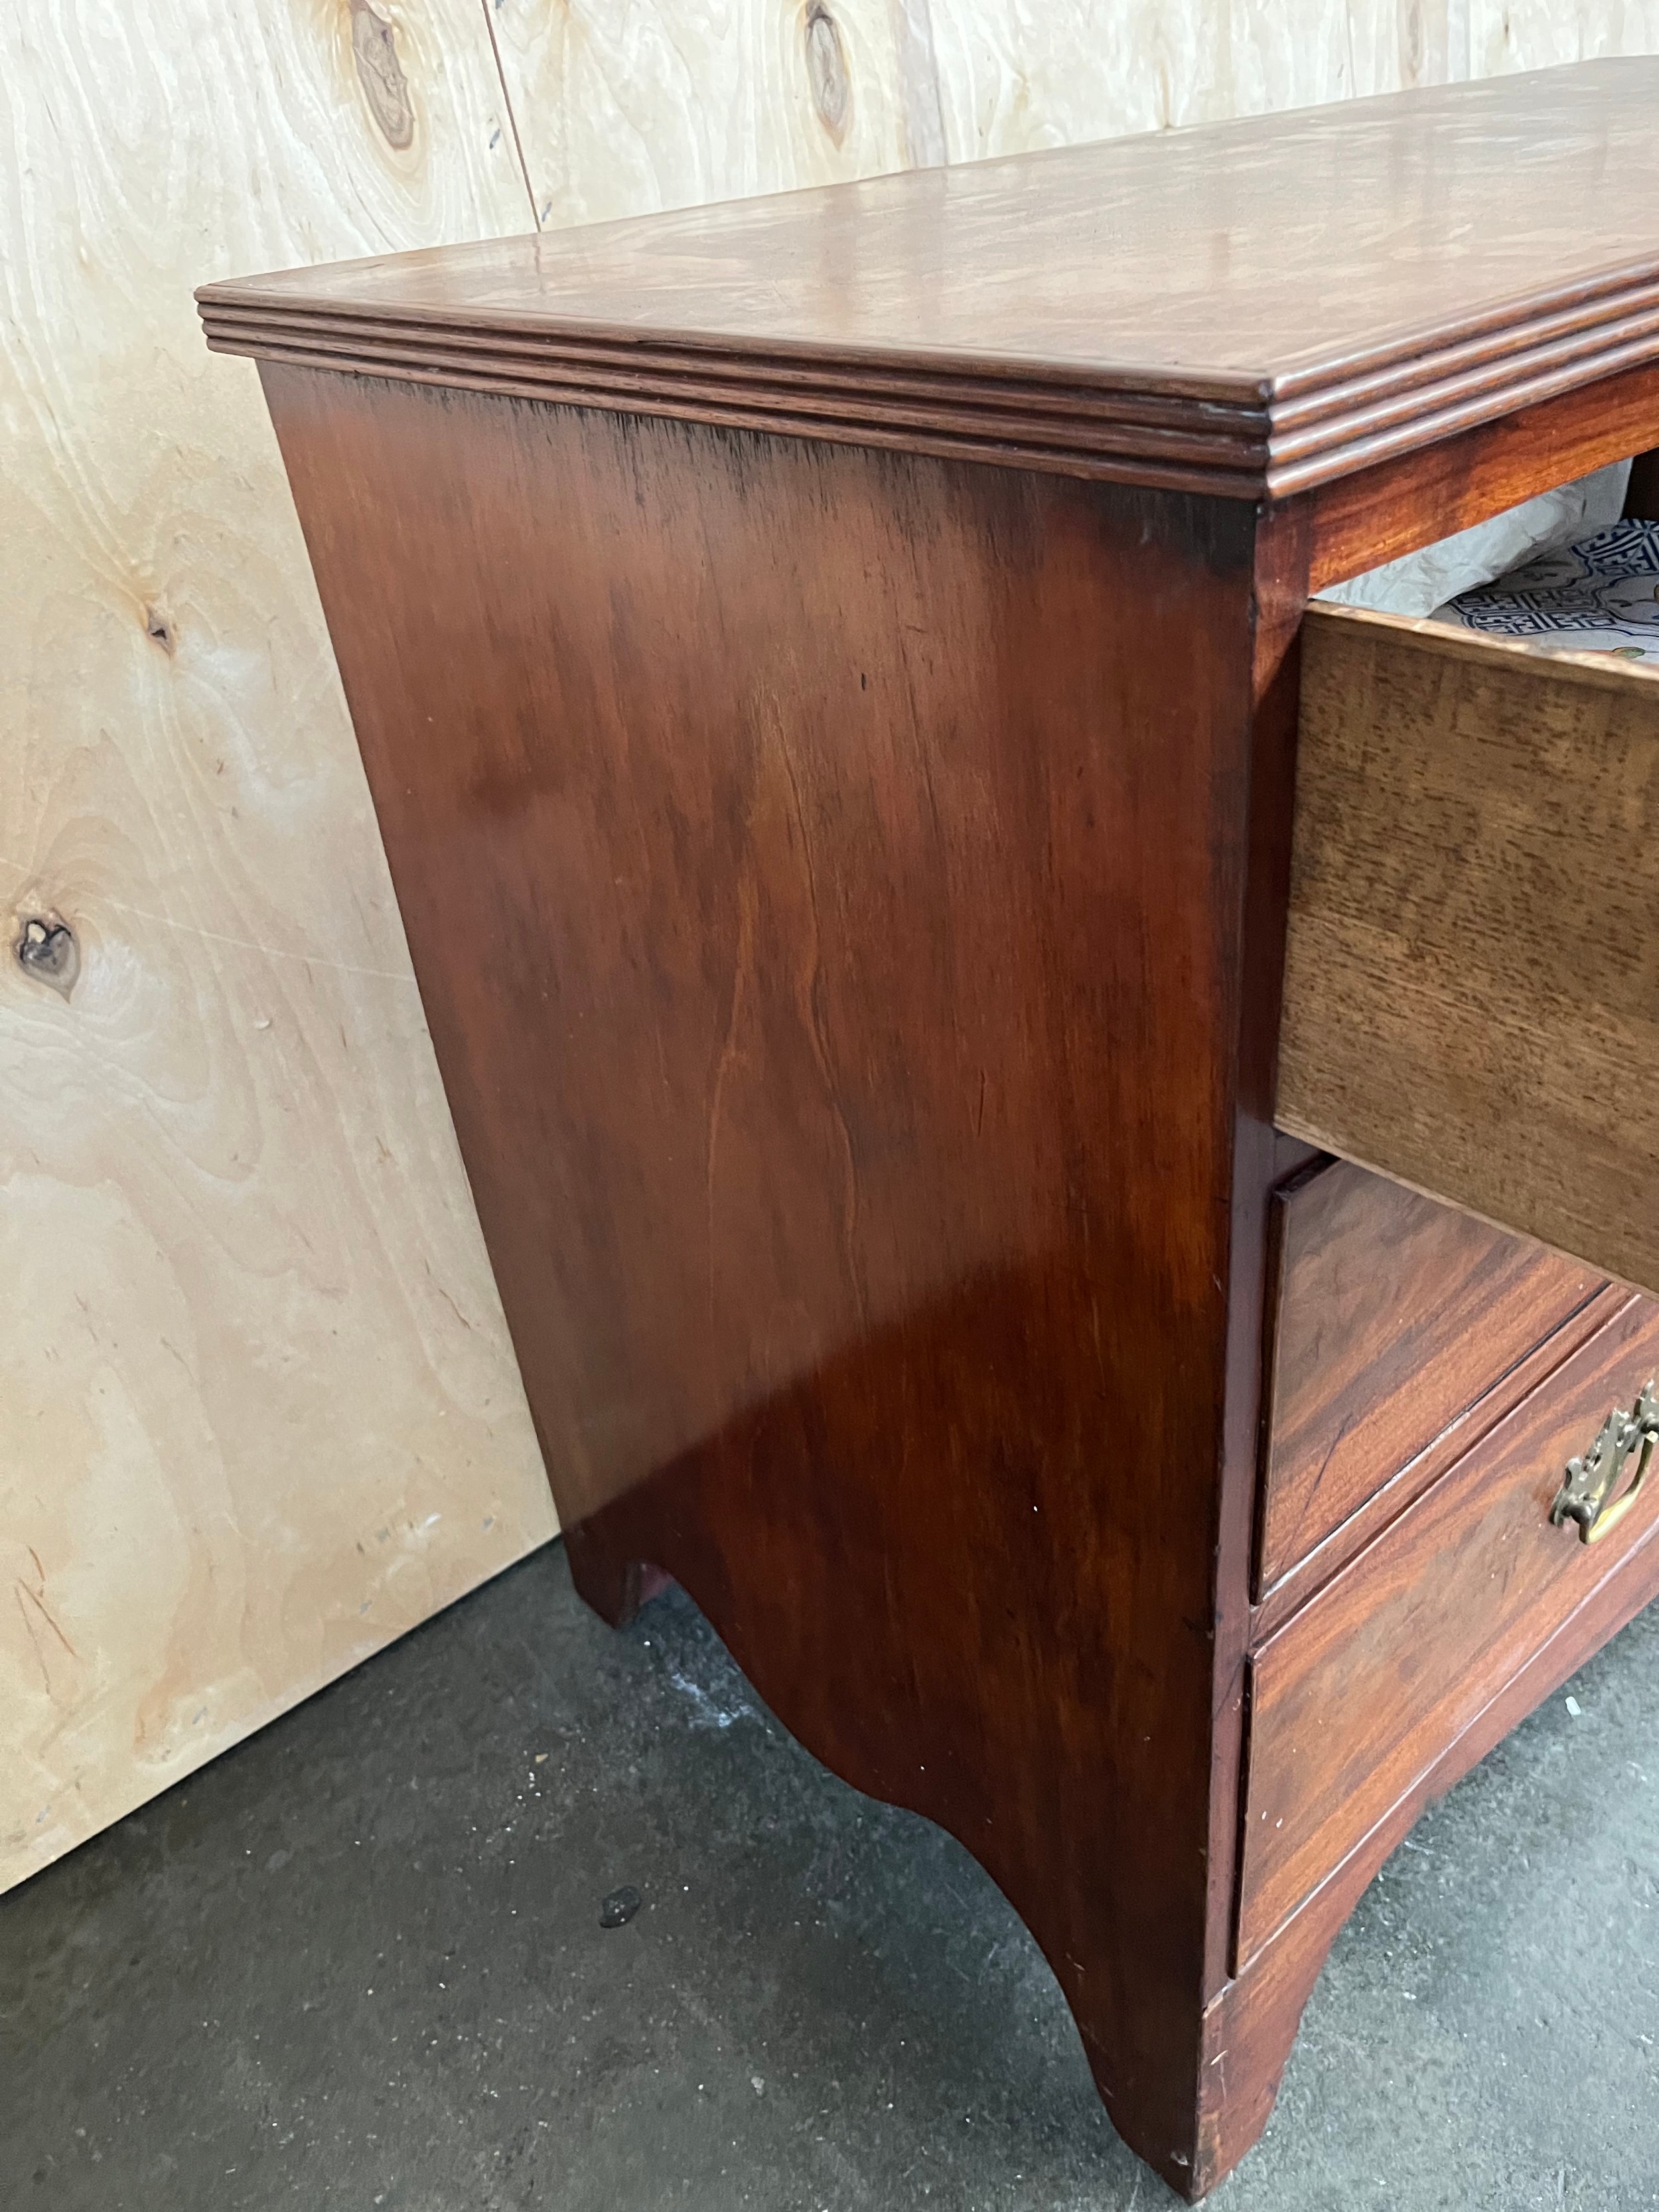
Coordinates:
(1472, 967)
(1358, 1694)
(1393, 1316)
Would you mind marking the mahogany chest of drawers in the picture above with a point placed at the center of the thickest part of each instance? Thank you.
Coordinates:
(1063, 1138)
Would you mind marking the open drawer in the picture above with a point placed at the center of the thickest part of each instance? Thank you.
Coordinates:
(1472, 974)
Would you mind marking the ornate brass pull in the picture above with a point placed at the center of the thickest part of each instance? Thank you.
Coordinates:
(1592, 1480)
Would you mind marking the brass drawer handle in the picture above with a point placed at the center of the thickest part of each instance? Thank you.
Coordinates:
(1591, 1480)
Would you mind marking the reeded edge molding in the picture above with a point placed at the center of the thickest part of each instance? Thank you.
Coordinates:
(1243, 437)
(908, 437)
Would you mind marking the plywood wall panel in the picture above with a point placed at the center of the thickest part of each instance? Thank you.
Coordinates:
(1016, 73)
(258, 1410)
(1525, 35)
(628, 106)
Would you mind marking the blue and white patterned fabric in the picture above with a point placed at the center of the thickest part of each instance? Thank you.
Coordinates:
(1599, 595)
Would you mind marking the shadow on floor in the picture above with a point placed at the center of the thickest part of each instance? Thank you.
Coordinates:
(358, 1963)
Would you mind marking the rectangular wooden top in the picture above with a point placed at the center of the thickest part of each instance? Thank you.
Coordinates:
(1245, 308)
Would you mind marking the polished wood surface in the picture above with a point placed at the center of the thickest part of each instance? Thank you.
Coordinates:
(1358, 1694)
(1251, 2023)
(1248, 307)
(1354, 523)
(1468, 1000)
(1304, 1577)
(1395, 1316)
(866, 1141)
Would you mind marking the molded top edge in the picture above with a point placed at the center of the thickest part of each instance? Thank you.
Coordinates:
(1454, 242)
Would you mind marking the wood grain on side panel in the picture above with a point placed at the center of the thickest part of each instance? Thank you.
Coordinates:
(1396, 1314)
(1362, 1690)
(1470, 999)
(780, 830)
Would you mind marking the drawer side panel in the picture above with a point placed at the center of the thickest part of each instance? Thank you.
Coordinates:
(1472, 977)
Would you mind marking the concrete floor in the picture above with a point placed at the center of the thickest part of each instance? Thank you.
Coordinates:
(358, 1963)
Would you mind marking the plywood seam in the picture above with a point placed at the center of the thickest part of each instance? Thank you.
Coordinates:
(485, 11)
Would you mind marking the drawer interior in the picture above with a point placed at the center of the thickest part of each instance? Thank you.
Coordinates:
(1472, 967)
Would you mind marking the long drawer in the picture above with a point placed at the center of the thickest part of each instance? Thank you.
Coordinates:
(1393, 1318)
(1361, 1690)
(1472, 973)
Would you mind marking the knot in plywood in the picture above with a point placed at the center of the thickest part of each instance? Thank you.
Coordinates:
(827, 72)
(46, 950)
(380, 74)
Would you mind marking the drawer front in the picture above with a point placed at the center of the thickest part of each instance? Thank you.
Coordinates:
(1472, 960)
(1394, 1315)
(1361, 1690)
